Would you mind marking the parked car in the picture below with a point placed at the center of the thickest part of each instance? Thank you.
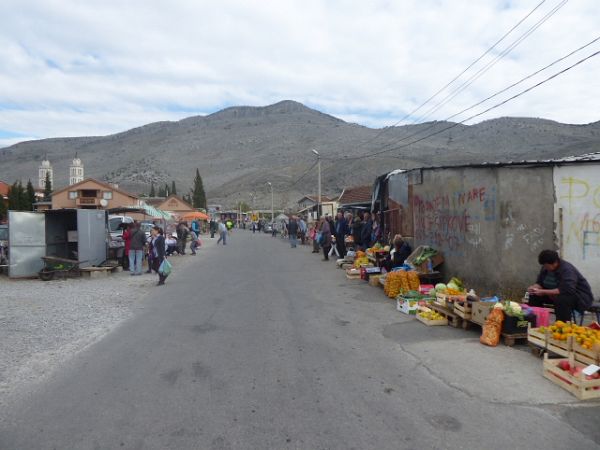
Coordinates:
(116, 245)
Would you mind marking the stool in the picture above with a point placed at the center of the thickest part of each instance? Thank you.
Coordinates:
(595, 309)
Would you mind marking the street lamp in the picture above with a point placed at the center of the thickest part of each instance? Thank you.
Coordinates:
(272, 209)
(319, 185)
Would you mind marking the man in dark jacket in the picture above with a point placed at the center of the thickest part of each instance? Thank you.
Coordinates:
(367, 231)
(559, 282)
(341, 230)
(136, 249)
(292, 228)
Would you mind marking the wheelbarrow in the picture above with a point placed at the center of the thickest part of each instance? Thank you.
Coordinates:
(54, 265)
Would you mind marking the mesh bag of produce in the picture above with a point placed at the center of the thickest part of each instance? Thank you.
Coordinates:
(492, 328)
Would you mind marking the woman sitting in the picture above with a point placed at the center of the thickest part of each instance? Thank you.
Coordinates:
(399, 253)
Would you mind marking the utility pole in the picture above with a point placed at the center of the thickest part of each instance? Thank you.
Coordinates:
(319, 185)
(272, 203)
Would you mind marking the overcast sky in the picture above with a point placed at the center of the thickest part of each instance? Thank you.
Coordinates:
(71, 67)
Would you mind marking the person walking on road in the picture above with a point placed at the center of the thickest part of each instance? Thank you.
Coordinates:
(325, 238)
(302, 229)
(158, 250)
(127, 241)
(222, 233)
(136, 249)
(213, 228)
(292, 229)
(194, 243)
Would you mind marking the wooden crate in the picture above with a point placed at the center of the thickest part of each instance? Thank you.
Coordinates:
(480, 311)
(445, 299)
(562, 348)
(432, 323)
(463, 309)
(578, 386)
(453, 320)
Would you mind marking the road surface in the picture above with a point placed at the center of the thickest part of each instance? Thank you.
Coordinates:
(259, 346)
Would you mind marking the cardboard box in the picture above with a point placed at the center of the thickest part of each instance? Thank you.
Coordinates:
(480, 311)
(407, 305)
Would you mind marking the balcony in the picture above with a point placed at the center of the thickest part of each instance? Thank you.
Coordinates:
(87, 201)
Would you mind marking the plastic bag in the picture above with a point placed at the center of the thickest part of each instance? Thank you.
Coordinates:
(492, 328)
(165, 268)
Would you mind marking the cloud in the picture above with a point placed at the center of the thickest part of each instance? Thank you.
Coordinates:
(98, 67)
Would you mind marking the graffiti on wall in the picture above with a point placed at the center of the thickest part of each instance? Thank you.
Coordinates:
(581, 201)
(452, 220)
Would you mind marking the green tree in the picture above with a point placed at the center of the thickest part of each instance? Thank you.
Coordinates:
(3, 209)
(47, 188)
(173, 188)
(198, 194)
(15, 196)
(161, 191)
(167, 190)
(23, 200)
(152, 191)
(30, 194)
(244, 206)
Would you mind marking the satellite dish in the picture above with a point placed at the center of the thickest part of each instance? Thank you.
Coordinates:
(103, 203)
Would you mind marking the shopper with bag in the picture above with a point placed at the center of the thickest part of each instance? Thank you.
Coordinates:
(161, 264)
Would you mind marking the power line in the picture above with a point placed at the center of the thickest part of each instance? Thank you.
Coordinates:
(439, 91)
(492, 63)
(493, 95)
(303, 175)
(524, 79)
(497, 105)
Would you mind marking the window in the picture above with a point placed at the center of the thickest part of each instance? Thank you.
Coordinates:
(107, 195)
(72, 195)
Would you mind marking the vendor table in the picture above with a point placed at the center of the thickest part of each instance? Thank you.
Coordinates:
(430, 278)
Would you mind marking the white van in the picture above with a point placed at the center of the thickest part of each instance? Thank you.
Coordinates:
(115, 229)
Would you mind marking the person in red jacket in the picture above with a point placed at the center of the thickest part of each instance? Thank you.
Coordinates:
(127, 240)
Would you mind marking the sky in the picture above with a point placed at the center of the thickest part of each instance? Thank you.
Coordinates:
(78, 68)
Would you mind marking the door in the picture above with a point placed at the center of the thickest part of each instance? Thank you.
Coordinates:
(26, 243)
(91, 236)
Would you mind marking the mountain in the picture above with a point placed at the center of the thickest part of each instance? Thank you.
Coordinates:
(240, 148)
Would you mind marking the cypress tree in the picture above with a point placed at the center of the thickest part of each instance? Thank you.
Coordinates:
(47, 188)
(30, 194)
(198, 196)
(152, 191)
(173, 188)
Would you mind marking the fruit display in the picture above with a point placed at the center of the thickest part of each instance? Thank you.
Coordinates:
(413, 281)
(454, 287)
(401, 281)
(430, 315)
(588, 338)
(393, 284)
(361, 258)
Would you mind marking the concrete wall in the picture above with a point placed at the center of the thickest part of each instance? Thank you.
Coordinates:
(578, 217)
(489, 223)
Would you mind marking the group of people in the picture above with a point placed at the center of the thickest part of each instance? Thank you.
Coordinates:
(364, 228)
(138, 246)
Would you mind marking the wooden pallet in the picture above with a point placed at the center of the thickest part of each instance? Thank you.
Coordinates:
(511, 339)
(453, 319)
(578, 386)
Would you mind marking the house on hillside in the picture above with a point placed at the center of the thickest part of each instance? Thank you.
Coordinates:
(491, 220)
(355, 198)
(307, 206)
(93, 194)
(172, 204)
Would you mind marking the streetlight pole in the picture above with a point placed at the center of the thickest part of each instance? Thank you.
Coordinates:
(272, 203)
(319, 185)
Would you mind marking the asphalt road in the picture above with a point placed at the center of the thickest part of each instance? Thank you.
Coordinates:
(259, 346)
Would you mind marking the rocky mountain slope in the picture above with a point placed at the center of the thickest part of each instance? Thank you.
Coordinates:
(239, 149)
